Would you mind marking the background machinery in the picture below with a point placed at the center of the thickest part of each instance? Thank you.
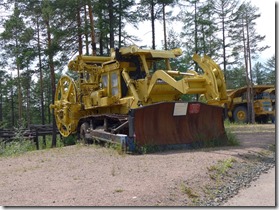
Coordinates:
(264, 100)
(270, 93)
(132, 97)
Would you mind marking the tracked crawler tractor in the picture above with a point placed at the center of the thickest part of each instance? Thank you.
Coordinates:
(133, 97)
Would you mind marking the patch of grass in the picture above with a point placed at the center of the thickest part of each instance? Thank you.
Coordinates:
(272, 147)
(264, 153)
(226, 164)
(214, 143)
(119, 190)
(16, 147)
(232, 139)
(207, 189)
(229, 123)
(146, 149)
(113, 171)
(221, 168)
(188, 191)
(118, 148)
(70, 140)
(59, 142)
(150, 147)
(113, 148)
(19, 144)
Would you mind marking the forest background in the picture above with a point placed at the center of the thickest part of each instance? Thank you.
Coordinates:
(39, 37)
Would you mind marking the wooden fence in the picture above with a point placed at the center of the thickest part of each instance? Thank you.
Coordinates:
(33, 133)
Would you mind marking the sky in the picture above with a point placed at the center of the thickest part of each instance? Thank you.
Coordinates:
(265, 25)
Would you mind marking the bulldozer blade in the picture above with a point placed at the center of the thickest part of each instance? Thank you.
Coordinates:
(177, 123)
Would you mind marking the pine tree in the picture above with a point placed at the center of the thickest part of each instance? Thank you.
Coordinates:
(165, 3)
(247, 43)
(199, 31)
(236, 77)
(111, 16)
(3, 75)
(15, 42)
(270, 70)
(152, 10)
(259, 76)
(225, 11)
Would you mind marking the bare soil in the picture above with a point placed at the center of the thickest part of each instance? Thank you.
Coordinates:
(84, 175)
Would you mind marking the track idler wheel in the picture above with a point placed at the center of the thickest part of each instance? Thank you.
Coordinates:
(65, 106)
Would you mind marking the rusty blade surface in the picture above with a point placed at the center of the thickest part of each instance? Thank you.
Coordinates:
(172, 123)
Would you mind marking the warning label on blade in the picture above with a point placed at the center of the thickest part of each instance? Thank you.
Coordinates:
(194, 108)
(180, 109)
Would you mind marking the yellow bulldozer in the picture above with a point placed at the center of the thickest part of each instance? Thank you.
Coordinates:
(133, 97)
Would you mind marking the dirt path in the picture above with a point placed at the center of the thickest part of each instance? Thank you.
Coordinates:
(96, 176)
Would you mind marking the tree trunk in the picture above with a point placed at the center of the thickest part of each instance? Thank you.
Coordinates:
(79, 29)
(41, 79)
(196, 29)
(196, 39)
(19, 91)
(119, 24)
(1, 102)
(164, 24)
(111, 24)
(224, 44)
(203, 40)
(1, 111)
(92, 28)
(251, 76)
(28, 115)
(86, 31)
(49, 96)
(153, 24)
(101, 43)
(12, 105)
(52, 73)
(247, 74)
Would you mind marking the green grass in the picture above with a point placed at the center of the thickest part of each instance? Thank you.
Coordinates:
(188, 191)
(228, 123)
(48, 142)
(16, 147)
(118, 148)
(232, 139)
(119, 190)
(21, 145)
(221, 168)
(272, 147)
(192, 195)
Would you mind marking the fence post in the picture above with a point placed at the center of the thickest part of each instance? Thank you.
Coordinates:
(37, 139)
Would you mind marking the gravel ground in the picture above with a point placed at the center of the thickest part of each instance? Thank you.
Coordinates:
(262, 192)
(96, 176)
